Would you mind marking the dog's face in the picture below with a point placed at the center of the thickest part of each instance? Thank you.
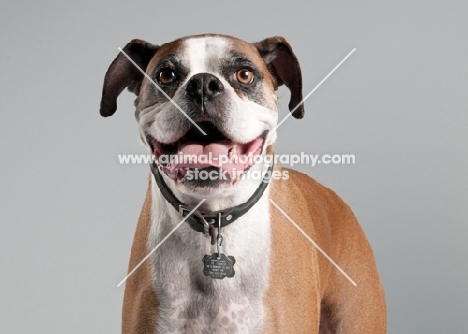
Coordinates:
(215, 84)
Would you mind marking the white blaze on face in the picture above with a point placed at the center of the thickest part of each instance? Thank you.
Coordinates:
(204, 54)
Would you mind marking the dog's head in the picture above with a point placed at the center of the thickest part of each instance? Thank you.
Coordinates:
(213, 84)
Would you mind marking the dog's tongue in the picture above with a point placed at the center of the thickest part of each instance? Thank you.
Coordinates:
(207, 155)
(219, 154)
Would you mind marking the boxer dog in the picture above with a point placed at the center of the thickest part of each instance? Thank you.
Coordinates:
(230, 259)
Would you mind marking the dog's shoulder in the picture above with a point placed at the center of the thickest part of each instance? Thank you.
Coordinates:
(304, 189)
(312, 205)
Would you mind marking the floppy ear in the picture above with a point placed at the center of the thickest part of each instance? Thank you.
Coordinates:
(122, 73)
(284, 67)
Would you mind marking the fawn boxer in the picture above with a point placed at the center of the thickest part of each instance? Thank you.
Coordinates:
(229, 259)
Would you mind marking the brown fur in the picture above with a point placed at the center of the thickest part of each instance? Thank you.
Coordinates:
(301, 278)
(140, 305)
(305, 290)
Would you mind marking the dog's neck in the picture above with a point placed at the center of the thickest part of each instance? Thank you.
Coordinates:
(221, 201)
(177, 266)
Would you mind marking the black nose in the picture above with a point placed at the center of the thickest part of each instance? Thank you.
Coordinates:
(204, 87)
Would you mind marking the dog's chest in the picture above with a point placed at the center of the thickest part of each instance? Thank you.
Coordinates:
(195, 307)
(191, 302)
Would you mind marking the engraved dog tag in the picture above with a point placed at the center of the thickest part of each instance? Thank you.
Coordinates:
(218, 266)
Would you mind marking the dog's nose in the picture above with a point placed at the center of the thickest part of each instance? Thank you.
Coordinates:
(204, 87)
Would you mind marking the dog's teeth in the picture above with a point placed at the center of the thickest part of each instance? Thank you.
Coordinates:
(232, 152)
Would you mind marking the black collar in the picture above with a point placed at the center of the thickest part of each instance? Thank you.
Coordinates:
(206, 222)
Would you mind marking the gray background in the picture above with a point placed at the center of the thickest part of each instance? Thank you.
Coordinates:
(68, 209)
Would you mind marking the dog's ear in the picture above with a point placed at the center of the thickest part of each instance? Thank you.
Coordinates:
(122, 73)
(284, 66)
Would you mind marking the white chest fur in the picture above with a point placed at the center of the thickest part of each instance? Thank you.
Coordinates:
(191, 302)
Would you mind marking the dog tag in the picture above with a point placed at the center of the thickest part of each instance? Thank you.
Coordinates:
(218, 266)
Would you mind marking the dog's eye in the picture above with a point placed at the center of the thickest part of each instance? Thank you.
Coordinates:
(244, 76)
(166, 76)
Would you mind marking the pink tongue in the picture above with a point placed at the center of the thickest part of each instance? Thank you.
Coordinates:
(209, 155)
(217, 155)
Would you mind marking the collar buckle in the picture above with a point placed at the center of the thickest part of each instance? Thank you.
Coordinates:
(198, 218)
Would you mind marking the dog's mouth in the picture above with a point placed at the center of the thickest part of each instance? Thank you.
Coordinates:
(194, 152)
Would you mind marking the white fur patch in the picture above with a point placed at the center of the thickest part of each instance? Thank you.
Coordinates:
(194, 303)
(203, 53)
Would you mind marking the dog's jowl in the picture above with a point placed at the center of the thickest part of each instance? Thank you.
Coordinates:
(230, 259)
